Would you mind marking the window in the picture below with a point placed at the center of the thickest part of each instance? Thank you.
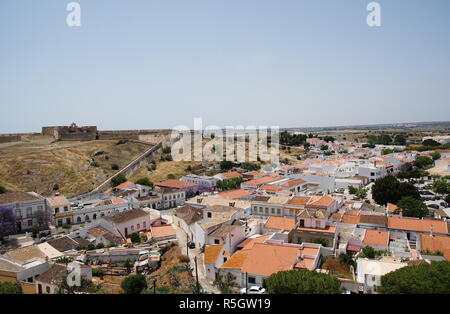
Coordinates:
(209, 215)
(29, 210)
(138, 226)
(30, 222)
(132, 228)
(278, 211)
(272, 210)
(66, 208)
(78, 219)
(251, 279)
(40, 207)
(56, 210)
(216, 241)
(47, 289)
(145, 224)
(17, 213)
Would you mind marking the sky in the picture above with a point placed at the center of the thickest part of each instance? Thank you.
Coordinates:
(143, 64)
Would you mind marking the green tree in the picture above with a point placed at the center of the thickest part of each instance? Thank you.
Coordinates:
(431, 143)
(412, 207)
(115, 167)
(324, 147)
(302, 282)
(225, 283)
(134, 284)
(400, 139)
(441, 187)
(368, 252)
(226, 165)
(422, 162)
(135, 238)
(144, 181)
(322, 241)
(390, 190)
(10, 288)
(435, 156)
(118, 179)
(425, 278)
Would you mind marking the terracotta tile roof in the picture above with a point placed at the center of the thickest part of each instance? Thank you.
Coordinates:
(13, 197)
(26, 253)
(212, 252)
(350, 219)
(323, 201)
(328, 229)
(280, 223)
(353, 248)
(189, 214)
(123, 185)
(63, 244)
(263, 180)
(293, 182)
(423, 225)
(162, 231)
(391, 207)
(234, 194)
(175, 184)
(373, 220)
(270, 188)
(53, 275)
(126, 215)
(299, 200)
(267, 259)
(248, 243)
(436, 243)
(58, 201)
(231, 174)
(236, 260)
(306, 263)
(376, 237)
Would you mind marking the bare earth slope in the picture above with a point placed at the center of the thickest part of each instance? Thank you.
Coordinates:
(76, 167)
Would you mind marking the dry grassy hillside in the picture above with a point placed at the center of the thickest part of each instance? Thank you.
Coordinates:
(76, 167)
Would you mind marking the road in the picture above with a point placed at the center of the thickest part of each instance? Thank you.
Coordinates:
(192, 253)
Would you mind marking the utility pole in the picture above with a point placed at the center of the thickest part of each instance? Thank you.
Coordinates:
(196, 275)
(154, 286)
(187, 245)
(246, 281)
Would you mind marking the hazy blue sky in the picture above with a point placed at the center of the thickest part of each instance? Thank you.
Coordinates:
(157, 64)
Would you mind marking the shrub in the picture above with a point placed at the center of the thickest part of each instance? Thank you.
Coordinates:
(115, 167)
(171, 176)
(184, 259)
(135, 238)
(134, 284)
(100, 245)
(10, 288)
(2, 189)
(95, 164)
(118, 179)
(97, 272)
(144, 181)
(66, 226)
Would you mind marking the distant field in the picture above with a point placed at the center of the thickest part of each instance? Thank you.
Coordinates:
(73, 166)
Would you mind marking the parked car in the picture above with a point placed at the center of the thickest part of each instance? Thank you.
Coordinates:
(253, 290)
(443, 204)
(191, 245)
(435, 206)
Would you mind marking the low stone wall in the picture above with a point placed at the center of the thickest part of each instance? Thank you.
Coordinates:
(10, 138)
(131, 167)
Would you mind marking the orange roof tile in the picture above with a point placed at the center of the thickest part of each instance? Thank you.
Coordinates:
(234, 194)
(236, 260)
(299, 200)
(176, 184)
(263, 180)
(212, 252)
(293, 182)
(231, 174)
(124, 185)
(436, 243)
(249, 242)
(376, 237)
(325, 200)
(267, 259)
(280, 223)
(391, 207)
(424, 225)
